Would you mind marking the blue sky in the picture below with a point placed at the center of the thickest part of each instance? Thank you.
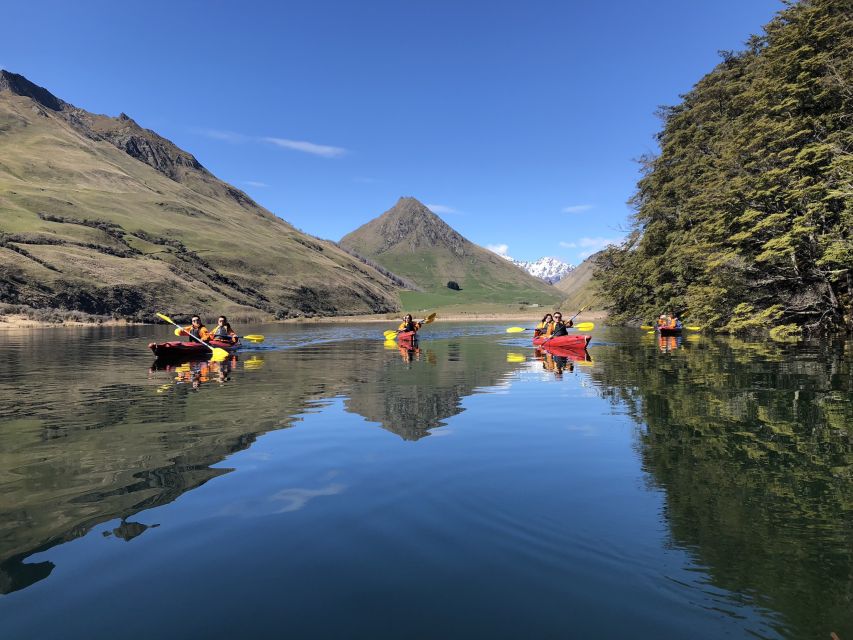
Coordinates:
(519, 122)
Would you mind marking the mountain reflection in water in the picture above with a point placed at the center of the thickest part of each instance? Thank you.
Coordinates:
(88, 448)
(750, 446)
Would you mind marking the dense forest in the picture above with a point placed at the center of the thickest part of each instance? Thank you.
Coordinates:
(744, 220)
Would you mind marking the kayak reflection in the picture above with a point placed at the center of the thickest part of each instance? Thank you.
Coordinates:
(559, 360)
(668, 343)
(197, 372)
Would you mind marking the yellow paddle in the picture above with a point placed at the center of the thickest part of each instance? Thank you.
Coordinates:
(391, 333)
(583, 326)
(646, 327)
(218, 354)
(250, 338)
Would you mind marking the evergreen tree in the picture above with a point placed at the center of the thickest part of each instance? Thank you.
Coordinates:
(745, 218)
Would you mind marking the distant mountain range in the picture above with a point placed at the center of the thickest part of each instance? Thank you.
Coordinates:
(103, 216)
(551, 270)
(414, 243)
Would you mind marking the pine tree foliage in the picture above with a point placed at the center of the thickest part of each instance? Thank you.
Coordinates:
(745, 218)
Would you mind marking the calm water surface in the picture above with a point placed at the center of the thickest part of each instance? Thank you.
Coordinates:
(327, 485)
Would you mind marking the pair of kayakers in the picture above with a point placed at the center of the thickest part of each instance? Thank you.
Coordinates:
(669, 321)
(222, 333)
(552, 326)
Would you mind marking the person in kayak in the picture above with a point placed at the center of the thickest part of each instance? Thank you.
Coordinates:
(196, 330)
(544, 326)
(223, 331)
(559, 328)
(408, 324)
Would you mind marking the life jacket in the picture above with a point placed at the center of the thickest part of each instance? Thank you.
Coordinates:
(558, 329)
(222, 333)
(201, 332)
(408, 326)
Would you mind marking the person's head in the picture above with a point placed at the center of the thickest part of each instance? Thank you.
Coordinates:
(407, 317)
(548, 318)
(222, 320)
(558, 317)
(196, 321)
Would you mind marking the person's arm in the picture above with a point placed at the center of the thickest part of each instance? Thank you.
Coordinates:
(204, 334)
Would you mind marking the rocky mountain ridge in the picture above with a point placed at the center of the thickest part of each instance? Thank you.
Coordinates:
(103, 216)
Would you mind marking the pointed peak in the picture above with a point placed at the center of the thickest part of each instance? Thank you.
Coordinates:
(19, 85)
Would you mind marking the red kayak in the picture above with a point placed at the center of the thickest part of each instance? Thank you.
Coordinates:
(407, 336)
(574, 341)
(189, 350)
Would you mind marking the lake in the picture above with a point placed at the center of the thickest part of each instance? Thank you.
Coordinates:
(325, 484)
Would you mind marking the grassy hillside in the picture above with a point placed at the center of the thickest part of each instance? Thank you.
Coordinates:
(579, 289)
(103, 216)
(411, 241)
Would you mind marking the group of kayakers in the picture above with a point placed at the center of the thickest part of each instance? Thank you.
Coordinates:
(552, 326)
(221, 333)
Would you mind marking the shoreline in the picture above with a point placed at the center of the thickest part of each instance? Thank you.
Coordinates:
(449, 317)
(19, 321)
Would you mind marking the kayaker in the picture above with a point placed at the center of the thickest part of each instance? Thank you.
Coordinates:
(223, 331)
(559, 328)
(408, 324)
(544, 325)
(196, 329)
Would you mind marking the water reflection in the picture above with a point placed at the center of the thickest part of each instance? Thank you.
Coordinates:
(100, 441)
(751, 443)
(558, 360)
(198, 372)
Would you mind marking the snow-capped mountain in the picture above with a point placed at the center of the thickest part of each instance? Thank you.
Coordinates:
(550, 270)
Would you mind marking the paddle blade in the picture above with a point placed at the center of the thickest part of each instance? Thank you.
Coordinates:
(390, 334)
(646, 327)
(585, 326)
(166, 318)
(253, 363)
(430, 318)
(219, 354)
(253, 338)
(178, 331)
(695, 328)
(516, 330)
(515, 357)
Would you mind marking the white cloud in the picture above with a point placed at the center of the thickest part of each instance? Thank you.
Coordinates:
(323, 150)
(255, 183)
(441, 208)
(500, 249)
(577, 208)
(591, 245)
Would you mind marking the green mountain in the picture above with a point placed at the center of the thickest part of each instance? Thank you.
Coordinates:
(103, 216)
(413, 242)
(745, 219)
(579, 289)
